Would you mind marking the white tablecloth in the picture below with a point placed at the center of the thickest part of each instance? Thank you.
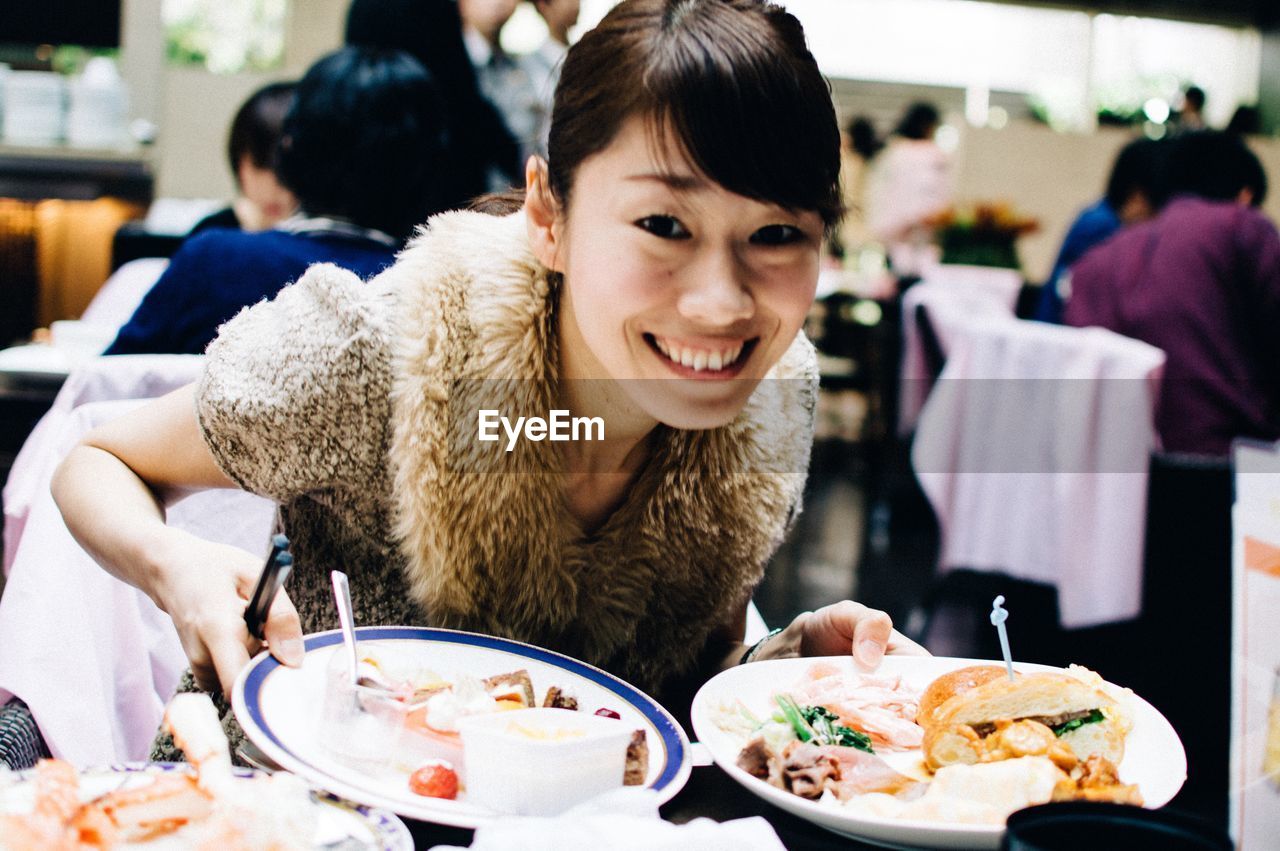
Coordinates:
(1033, 449)
(93, 657)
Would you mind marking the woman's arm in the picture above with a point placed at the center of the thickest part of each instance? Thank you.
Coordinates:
(107, 491)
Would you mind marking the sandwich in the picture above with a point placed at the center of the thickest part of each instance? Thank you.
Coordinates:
(977, 714)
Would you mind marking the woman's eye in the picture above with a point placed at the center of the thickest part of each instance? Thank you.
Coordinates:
(777, 235)
(664, 227)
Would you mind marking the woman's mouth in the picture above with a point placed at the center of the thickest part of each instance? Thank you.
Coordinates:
(723, 360)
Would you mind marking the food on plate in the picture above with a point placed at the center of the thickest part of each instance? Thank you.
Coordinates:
(408, 718)
(824, 734)
(809, 770)
(212, 808)
(435, 779)
(962, 710)
(972, 794)
(542, 761)
(880, 707)
(972, 748)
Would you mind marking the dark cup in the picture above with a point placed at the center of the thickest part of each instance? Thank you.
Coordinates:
(1076, 825)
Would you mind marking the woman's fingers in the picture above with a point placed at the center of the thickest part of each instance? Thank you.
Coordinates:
(848, 627)
(284, 631)
(228, 654)
(871, 632)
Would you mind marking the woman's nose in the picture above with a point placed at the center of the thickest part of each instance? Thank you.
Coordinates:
(716, 293)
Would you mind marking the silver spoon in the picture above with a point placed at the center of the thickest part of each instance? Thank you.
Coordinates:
(342, 596)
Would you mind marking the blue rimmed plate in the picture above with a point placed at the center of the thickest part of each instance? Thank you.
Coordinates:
(339, 823)
(280, 708)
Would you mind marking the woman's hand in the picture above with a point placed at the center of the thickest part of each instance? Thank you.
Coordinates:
(206, 591)
(848, 627)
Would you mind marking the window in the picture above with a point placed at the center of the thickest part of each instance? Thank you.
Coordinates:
(225, 36)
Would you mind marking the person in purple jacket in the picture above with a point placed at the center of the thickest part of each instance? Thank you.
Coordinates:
(1202, 282)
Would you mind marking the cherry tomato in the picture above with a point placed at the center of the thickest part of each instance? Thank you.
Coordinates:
(435, 780)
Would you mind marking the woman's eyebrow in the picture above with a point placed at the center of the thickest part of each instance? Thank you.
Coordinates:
(675, 182)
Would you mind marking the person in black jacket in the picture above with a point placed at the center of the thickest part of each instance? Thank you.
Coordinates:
(483, 153)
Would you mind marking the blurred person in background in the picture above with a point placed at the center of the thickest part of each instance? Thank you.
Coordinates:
(1135, 192)
(560, 16)
(907, 182)
(261, 200)
(858, 146)
(482, 154)
(1191, 116)
(1202, 282)
(1245, 121)
(362, 150)
(510, 82)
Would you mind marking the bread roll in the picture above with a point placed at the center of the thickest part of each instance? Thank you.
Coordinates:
(972, 700)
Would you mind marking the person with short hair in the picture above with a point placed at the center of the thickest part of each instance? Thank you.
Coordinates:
(362, 149)
(656, 278)
(252, 143)
(1191, 116)
(1202, 282)
(1135, 192)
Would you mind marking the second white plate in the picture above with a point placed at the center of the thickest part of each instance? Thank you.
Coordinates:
(1154, 758)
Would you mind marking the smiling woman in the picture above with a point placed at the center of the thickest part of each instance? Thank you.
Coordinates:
(655, 280)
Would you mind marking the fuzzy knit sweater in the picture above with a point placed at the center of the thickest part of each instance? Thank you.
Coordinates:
(354, 406)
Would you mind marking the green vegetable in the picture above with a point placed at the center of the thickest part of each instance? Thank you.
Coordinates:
(792, 715)
(818, 724)
(1092, 718)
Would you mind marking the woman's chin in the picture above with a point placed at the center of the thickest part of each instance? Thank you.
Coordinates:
(693, 405)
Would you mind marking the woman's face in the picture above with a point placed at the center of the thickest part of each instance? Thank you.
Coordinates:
(680, 290)
(272, 201)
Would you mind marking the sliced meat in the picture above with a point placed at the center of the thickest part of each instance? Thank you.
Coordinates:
(755, 757)
(806, 769)
(861, 772)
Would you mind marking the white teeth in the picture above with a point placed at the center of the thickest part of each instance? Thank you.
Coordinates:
(699, 359)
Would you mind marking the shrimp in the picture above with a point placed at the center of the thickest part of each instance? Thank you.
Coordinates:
(212, 809)
(57, 796)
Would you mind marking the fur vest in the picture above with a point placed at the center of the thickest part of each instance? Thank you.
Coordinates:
(481, 538)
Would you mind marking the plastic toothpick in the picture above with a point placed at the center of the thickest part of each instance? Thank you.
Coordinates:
(998, 616)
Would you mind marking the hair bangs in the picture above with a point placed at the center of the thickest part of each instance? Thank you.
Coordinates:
(744, 119)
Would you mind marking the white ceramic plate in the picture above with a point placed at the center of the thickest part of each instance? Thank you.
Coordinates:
(1154, 758)
(338, 822)
(279, 709)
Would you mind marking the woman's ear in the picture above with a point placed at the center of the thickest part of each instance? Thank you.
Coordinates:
(542, 215)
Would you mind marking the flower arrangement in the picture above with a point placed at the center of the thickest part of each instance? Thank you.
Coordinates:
(981, 234)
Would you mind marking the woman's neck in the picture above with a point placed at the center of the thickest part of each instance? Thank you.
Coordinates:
(587, 390)
(597, 473)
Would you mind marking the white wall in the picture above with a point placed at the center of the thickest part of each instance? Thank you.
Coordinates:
(193, 108)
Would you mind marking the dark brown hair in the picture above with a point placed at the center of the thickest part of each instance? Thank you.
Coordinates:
(255, 131)
(732, 79)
